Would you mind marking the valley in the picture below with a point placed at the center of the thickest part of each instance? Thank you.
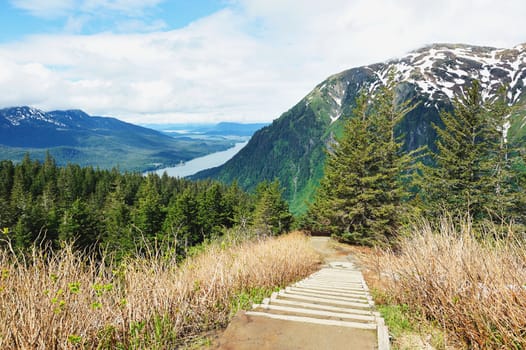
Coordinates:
(374, 156)
(198, 164)
(73, 136)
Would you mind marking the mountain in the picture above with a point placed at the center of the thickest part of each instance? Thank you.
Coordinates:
(292, 149)
(73, 136)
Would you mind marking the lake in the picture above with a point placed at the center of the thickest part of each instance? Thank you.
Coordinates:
(201, 163)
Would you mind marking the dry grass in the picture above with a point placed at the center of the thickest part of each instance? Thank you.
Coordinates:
(473, 287)
(69, 301)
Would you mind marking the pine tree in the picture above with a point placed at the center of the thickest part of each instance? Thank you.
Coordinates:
(236, 205)
(360, 196)
(181, 221)
(7, 171)
(210, 211)
(471, 171)
(117, 236)
(148, 215)
(271, 212)
(338, 199)
(80, 224)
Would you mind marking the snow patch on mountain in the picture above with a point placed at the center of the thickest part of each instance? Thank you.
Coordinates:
(19, 115)
(439, 73)
(442, 70)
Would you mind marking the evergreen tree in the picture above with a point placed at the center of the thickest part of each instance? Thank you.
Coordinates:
(119, 211)
(80, 224)
(117, 235)
(181, 221)
(237, 205)
(7, 171)
(271, 212)
(69, 184)
(21, 198)
(502, 158)
(360, 196)
(211, 214)
(30, 225)
(471, 171)
(148, 215)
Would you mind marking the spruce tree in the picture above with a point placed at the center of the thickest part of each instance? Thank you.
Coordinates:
(181, 220)
(148, 214)
(116, 214)
(80, 224)
(210, 211)
(360, 196)
(271, 212)
(471, 170)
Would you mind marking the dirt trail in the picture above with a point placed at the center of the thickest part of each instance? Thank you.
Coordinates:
(279, 323)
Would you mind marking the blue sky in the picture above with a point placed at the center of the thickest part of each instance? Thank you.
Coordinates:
(20, 18)
(154, 61)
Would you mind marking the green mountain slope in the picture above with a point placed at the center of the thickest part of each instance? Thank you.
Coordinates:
(292, 148)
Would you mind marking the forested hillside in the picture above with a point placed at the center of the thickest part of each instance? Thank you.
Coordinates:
(292, 149)
(41, 202)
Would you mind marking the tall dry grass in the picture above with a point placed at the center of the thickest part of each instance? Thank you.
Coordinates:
(71, 301)
(474, 287)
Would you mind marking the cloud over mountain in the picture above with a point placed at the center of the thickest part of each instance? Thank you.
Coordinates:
(248, 61)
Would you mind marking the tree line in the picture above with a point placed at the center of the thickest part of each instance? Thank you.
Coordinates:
(371, 188)
(122, 212)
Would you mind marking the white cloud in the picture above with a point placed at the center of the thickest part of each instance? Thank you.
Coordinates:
(123, 15)
(48, 8)
(251, 61)
(130, 7)
(59, 8)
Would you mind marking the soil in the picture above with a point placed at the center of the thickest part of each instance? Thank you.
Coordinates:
(250, 333)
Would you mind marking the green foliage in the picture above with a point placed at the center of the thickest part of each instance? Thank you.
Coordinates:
(148, 215)
(397, 318)
(80, 224)
(288, 150)
(473, 166)
(244, 300)
(123, 213)
(271, 213)
(360, 196)
(180, 220)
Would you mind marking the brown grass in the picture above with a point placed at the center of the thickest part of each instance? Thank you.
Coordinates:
(70, 301)
(473, 287)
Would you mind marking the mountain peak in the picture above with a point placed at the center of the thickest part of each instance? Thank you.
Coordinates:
(454, 46)
(17, 116)
(441, 70)
(292, 149)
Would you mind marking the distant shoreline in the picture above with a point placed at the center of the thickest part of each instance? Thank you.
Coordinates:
(195, 165)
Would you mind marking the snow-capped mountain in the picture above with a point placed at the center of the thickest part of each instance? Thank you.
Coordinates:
(72, 136)
(292, 148)
(441, 70)
(31, 127)
(437, 72)
(23, 115)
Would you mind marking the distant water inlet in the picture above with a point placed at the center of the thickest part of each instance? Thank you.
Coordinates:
(201, 163)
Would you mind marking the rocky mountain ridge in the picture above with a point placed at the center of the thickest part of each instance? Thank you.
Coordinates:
(292, 148)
